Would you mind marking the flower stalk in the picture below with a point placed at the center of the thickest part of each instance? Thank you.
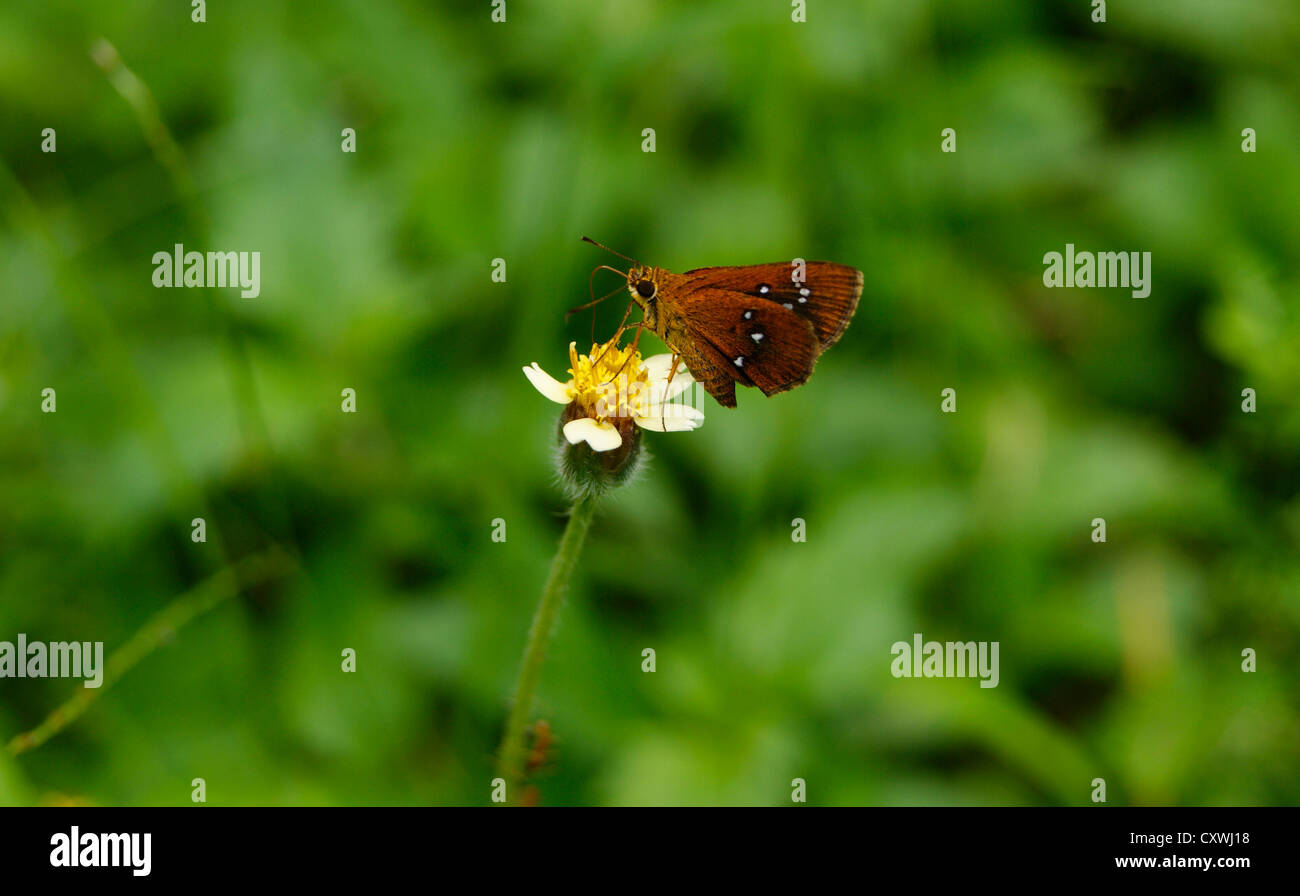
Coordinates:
(511, 754)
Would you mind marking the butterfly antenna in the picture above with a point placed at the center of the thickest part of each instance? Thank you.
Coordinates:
(593, 302)
(587, 239)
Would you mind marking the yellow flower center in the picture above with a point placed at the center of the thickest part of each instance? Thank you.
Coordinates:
(611, 382)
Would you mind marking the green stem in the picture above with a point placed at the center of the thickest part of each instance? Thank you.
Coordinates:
(511, 754)
(160, 629)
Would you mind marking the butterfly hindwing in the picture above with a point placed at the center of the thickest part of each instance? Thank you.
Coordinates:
(716, 381)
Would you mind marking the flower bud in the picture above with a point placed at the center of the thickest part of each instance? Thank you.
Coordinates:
(586, 471)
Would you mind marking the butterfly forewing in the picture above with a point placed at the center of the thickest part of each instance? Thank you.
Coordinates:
(827, 296)
(758, 343)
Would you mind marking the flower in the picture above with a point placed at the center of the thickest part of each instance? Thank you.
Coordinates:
(613, 391)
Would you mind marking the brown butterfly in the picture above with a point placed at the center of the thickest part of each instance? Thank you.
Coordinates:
(756, 325)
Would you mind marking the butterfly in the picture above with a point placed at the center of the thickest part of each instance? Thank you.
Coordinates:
(760, 325)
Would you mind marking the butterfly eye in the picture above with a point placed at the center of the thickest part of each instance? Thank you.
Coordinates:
(645, 289)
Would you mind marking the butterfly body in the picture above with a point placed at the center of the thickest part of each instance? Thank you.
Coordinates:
(760, 325)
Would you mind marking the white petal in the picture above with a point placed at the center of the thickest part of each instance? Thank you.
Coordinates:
(680, 384)
(600, 436)
(548, 385)
(671, 418)
(657, 367)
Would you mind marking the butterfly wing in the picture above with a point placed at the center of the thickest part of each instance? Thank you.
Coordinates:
(742, 339)
(826, 298)
(706, 366)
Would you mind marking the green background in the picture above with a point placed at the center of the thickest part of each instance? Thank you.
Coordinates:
(774, 140)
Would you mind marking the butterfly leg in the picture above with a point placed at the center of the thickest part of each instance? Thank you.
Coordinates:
(663, 405)
(618, 334)
(640, 327)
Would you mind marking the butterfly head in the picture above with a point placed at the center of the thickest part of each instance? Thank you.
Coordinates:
(643, 283)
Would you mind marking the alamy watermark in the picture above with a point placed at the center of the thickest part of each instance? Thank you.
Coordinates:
(196, 269)
(54, 659)
(1130, 270)
(953, 659)
(89, 850)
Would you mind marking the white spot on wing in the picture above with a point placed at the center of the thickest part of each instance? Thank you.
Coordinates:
(757, 337)
(740, 361)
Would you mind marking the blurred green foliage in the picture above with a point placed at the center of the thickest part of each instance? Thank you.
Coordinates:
(774, 139)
